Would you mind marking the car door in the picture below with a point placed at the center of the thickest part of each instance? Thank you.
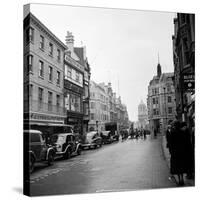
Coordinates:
(35, 145)
(73, 143)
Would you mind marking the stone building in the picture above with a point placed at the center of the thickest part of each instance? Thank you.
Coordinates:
(99, 106)
(106, 108)
(184, 66)
(161, 101)
(43, 75)
(142, 115)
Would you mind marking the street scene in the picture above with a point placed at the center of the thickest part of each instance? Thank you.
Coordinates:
(109, 100)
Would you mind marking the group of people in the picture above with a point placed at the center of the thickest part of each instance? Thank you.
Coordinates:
(138, 133)
(181, 149)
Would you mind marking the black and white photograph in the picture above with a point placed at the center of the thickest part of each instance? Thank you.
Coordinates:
(108, 99)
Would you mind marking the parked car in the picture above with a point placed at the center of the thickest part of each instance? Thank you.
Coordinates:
(106, 137)
(92, 140)
(39, 151)
(115, 136)
(65, 144)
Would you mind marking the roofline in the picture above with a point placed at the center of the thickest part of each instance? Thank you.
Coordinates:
(39, 23)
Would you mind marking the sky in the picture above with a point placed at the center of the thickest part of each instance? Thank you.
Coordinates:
(122, 46)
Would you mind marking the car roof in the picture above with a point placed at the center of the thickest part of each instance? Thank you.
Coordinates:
(63, 134)
(32, 131)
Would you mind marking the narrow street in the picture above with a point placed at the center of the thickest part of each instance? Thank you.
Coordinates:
(129, 165)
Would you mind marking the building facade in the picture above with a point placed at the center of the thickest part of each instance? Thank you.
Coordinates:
(99, 106)
(184, 66)
(43, 74)
(81, 52)
(106, 108)
(161, 101)
(77, 80)
(142, 116)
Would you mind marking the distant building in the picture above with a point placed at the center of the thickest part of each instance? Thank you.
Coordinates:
(43, 75)
(105, 107)
(99, 106)
(184, 66)
(142, 115)
(161, 101)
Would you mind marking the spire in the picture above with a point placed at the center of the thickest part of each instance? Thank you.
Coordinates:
(159, 72)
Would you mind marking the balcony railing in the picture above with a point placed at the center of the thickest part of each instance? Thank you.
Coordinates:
(37, 106)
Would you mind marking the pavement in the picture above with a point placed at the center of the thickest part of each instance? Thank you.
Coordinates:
(188, 182)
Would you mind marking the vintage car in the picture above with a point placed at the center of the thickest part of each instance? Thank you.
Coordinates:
(39, 151)
(91, 140)
(106, 137)
(65, 144)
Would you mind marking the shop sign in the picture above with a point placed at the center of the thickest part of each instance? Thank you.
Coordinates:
(34, 116)
(188, 82)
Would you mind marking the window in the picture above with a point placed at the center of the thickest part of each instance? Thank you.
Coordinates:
(50, 49)
(169, 99)
(168, 88)
(58, 78)
(50, 95)
(170, 110)
(92, 105)
(67, 101)
(77, 77)
(58, 102)
(75, 103)
(92, 116)
(35, 137)
(183, 20)
(58, 54)
(30, 92)
(40, 97)
(154, 112)
(154, 101)
(29, 35)
(69, 72)
(41, 69)
(50, 73)
(30, 63)
(41, 42)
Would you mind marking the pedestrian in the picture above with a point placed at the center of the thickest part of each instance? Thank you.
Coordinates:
(178, 147)
(189, 151)
(168, 135)
(144, 133)
(155, 133)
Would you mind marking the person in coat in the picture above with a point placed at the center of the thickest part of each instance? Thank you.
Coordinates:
(177, 146)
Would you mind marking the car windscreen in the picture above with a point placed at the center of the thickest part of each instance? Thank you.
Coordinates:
(57, 138)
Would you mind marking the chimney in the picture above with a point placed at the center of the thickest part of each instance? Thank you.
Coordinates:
(69, 39)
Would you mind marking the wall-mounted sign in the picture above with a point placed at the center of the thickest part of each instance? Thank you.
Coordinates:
(188, 82)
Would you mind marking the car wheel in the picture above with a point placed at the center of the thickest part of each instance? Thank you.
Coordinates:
(67, 154)
(50, 158)
(79, 151)
(31, 164)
